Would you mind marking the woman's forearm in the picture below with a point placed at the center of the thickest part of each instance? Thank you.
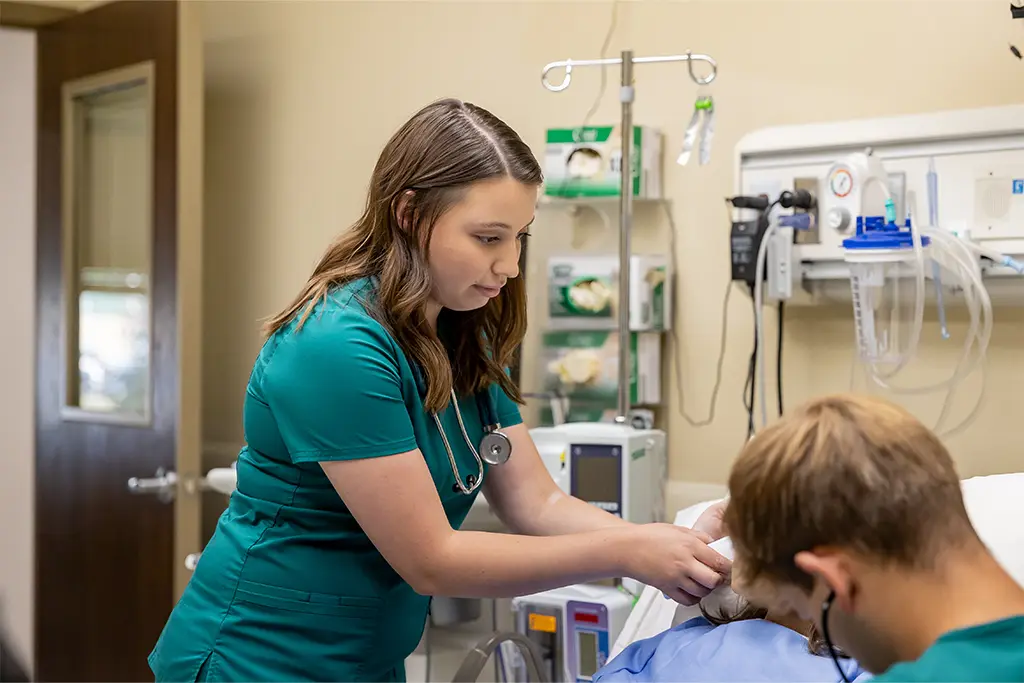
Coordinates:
(493, 565)
(563, 514)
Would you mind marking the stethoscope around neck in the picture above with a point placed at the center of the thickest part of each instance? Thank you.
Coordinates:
(495, 447)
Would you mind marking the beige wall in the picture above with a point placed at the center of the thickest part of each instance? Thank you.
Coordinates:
(302, 97)
(17, 356)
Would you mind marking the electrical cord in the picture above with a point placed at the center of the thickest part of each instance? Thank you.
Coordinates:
(749, 387)
(719, 365)
(604, 83)
(778, 359)
(604, 68)
(676, 361)
(758, 300)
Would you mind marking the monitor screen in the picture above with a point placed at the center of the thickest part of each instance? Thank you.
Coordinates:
(586, 649)
(596, 472)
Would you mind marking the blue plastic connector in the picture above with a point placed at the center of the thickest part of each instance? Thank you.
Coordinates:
(890, 211)
(797, 221)
(1010, 262)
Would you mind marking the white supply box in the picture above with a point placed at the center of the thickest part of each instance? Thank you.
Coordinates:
(586, 162)
(583, 292)
(583, 366)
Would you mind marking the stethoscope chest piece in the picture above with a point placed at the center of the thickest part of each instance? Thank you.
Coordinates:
(495, 448)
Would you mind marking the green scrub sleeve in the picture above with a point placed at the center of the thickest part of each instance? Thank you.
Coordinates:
(334, 389)
(507, 409)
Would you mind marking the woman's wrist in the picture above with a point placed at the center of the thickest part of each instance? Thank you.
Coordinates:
(624, 548)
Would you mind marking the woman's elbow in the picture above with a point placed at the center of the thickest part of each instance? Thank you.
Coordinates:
(512, 522)
(430, 573)
(424, 581)
(424, 588)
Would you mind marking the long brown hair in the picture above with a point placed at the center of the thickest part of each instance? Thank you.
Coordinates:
(815, 642)
(436, 155)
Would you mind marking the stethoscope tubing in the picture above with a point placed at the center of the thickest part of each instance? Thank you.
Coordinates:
(488, 414)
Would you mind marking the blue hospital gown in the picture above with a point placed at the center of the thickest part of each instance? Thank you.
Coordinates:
(751, 650)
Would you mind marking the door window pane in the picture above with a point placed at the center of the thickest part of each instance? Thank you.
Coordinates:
(108, 230)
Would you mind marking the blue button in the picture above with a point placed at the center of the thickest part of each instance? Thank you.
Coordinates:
(1018, 186)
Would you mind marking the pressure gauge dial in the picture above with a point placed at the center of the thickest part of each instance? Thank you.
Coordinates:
(841, 182)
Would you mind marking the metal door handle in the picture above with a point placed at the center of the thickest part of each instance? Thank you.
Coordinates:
(164, 485)
(191, 561)
(219, 479)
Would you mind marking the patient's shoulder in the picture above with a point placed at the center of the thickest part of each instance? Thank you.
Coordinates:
(694, 623)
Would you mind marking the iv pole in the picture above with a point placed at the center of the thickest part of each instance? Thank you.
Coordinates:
(627, 93)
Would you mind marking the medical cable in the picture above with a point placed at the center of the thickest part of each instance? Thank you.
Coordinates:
(778, 356)
(958, 259)
(956, 256)
(932, 180)
(762, 255)
(604, 69)
(964, 268)
(601, 88)
(750, 387)
(802, 199)
(757, 370)
(997, 257)
(724, 336)
(747, 202)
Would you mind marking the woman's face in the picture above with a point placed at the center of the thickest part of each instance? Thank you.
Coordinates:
(475, 245)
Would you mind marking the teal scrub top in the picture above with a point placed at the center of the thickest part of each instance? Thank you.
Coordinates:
(290, 587)
(987, 653)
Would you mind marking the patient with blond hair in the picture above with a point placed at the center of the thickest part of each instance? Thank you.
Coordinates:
(849, 530)
(850, 513)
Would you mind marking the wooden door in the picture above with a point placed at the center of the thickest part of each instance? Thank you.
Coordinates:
(119, 313)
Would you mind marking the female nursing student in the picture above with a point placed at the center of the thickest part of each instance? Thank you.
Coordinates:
(377, 409)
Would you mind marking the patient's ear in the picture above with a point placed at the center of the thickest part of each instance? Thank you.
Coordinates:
(831, 571)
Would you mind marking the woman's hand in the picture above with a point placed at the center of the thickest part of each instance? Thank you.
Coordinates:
(677, 561)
